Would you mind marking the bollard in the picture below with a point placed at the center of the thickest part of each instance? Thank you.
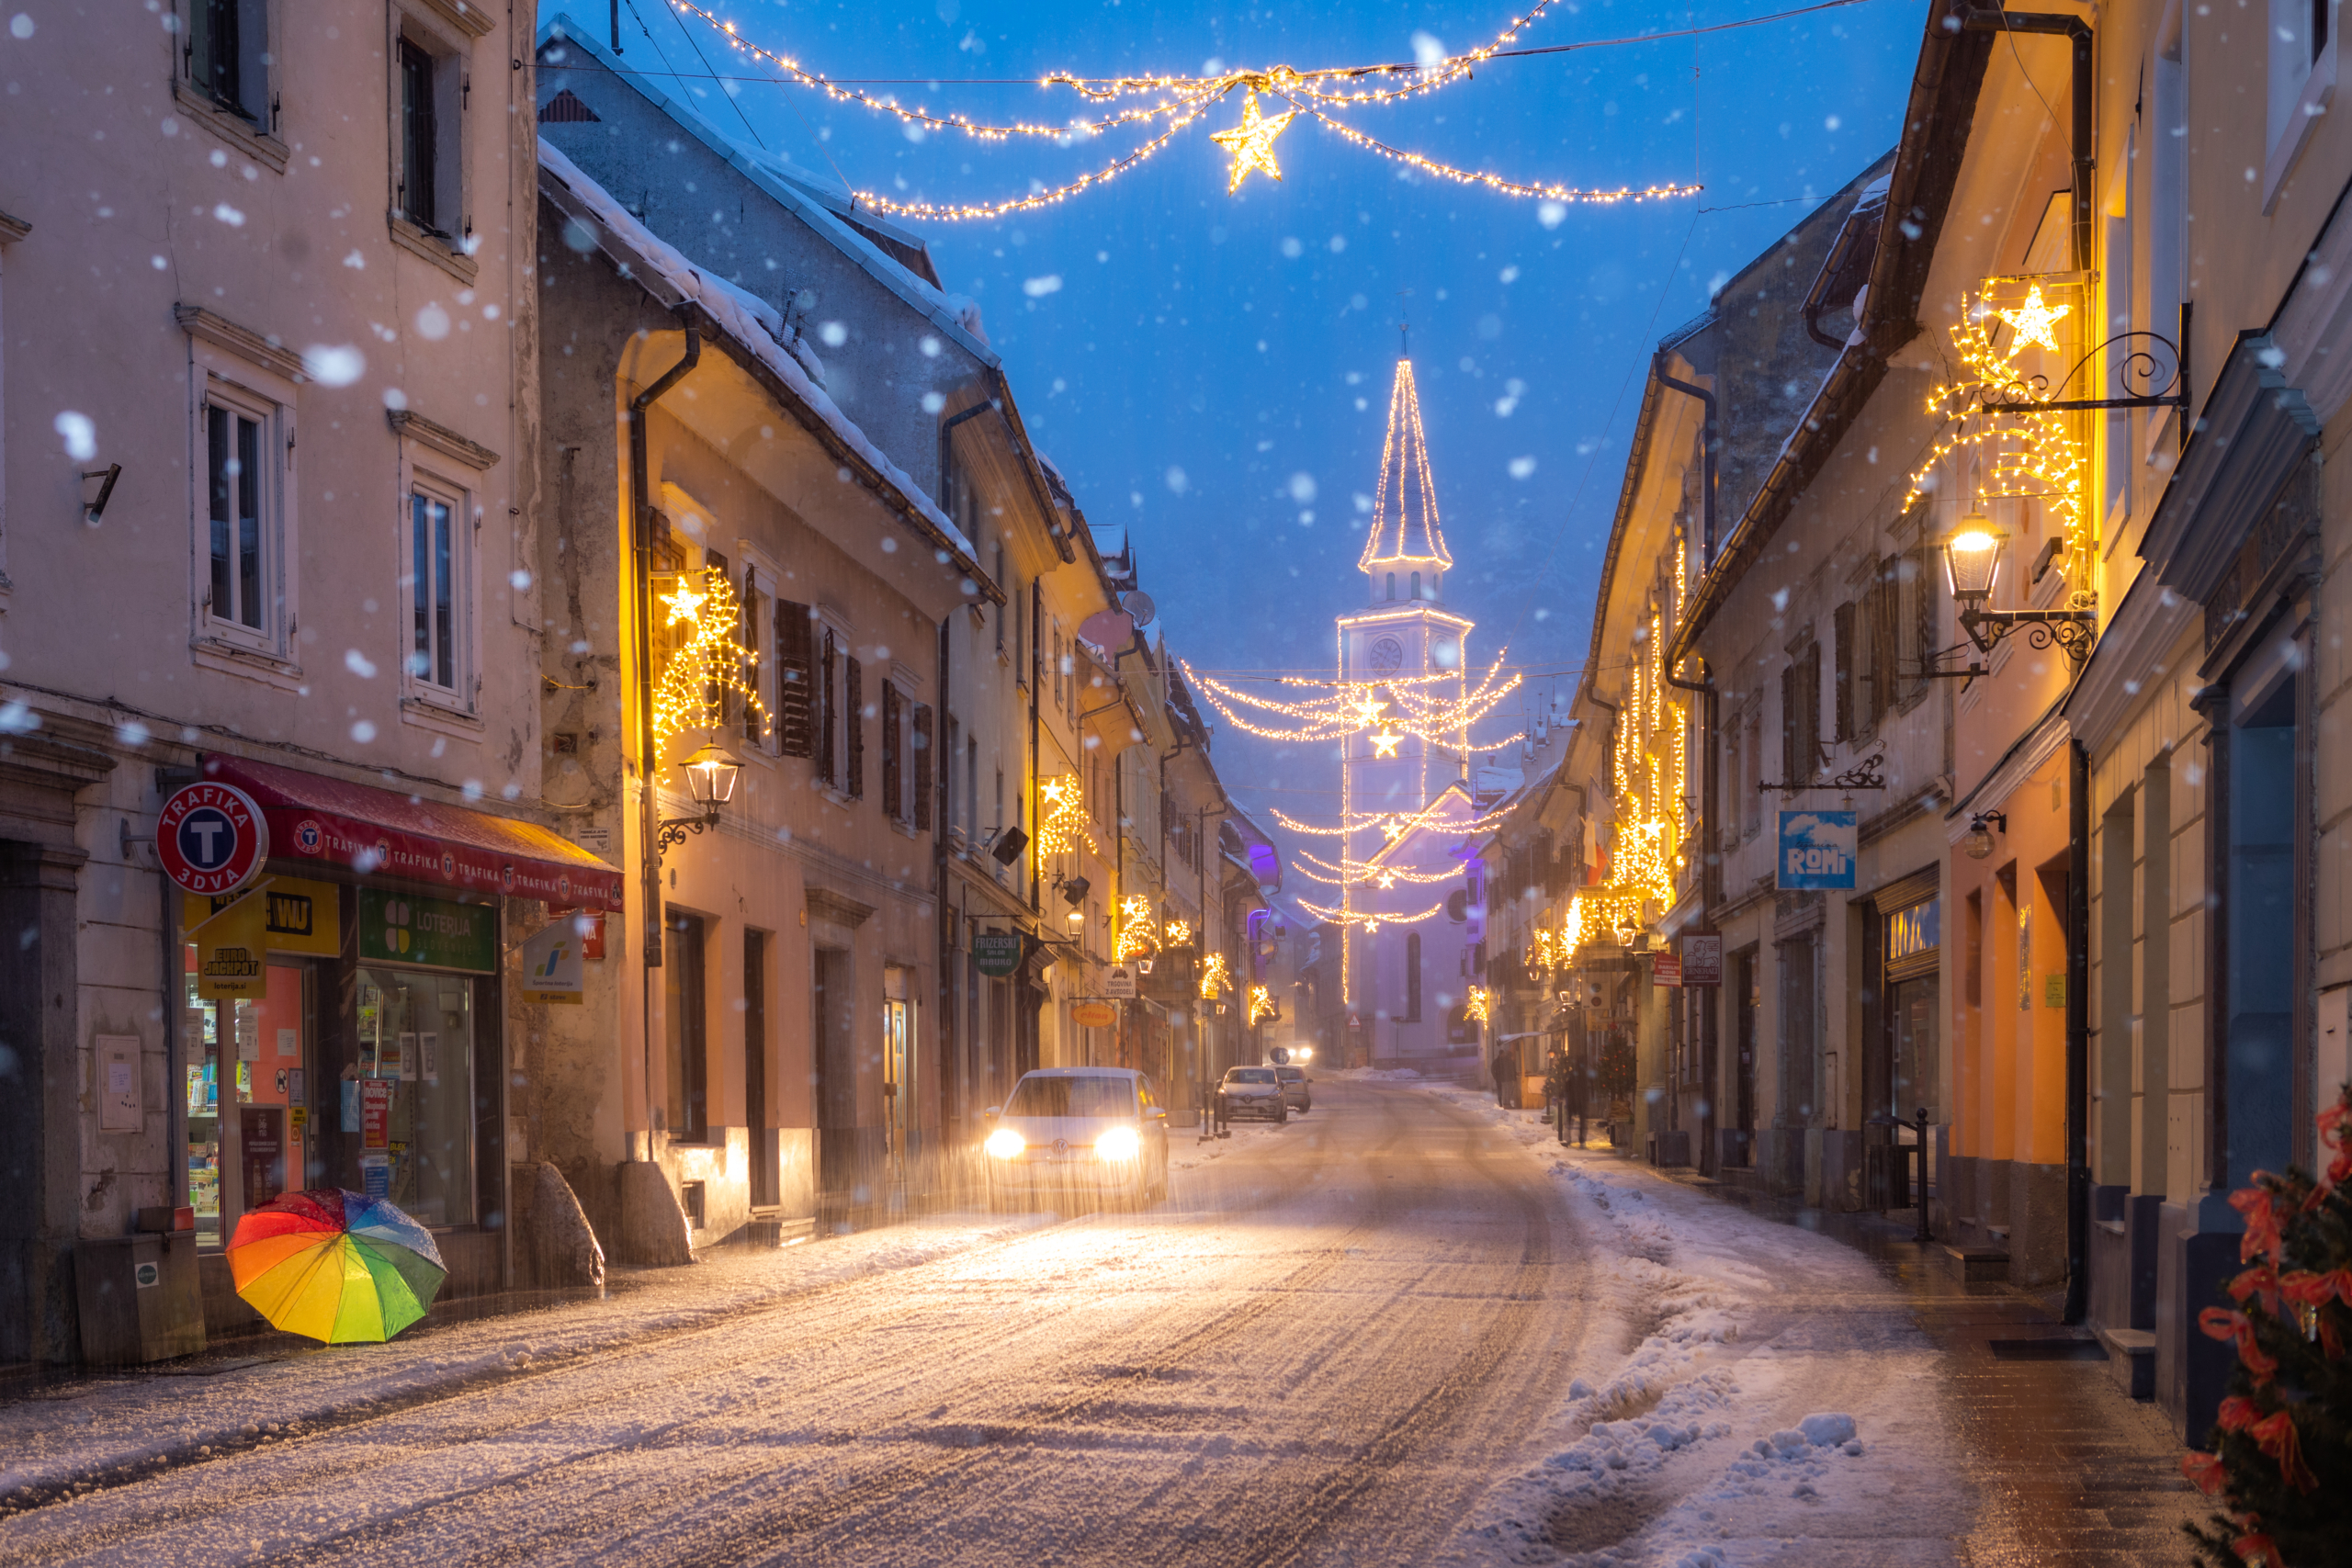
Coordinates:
(1925, 1235)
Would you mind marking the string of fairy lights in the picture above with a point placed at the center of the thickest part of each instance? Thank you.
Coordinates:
(2023, 452)
(1177, 102)
(712, 664)
(1651, 761)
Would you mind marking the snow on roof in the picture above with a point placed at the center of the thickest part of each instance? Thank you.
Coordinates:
(734, 314)
(800, 192)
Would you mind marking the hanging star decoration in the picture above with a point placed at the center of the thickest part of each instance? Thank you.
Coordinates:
(2033, 321)
(1387, 879)
(1252, 143)
(685, 604)
(1371, 708)
(1385, 743)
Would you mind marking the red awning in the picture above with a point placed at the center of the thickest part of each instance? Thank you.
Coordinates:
(383, 832)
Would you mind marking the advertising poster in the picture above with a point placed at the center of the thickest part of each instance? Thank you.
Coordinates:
(400, 928)
(552, 959)
(375, 1113)
(1702, 958)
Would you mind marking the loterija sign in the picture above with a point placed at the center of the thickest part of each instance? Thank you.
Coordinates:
(211, 839)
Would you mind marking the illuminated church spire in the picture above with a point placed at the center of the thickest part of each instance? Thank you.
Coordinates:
(1404, 510)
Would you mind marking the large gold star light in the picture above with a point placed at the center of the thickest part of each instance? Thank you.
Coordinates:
(1385, 743)
(2032, 321)
(1252, 143)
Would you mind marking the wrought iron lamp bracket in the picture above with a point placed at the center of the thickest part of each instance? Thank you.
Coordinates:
(675, 829)
(1863, 775)
(2139, 368)
(2071, 631)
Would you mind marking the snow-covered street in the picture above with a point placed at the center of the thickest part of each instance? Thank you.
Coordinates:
(1403, 1328)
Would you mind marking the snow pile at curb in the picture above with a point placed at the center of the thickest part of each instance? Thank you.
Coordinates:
(1713, 1443)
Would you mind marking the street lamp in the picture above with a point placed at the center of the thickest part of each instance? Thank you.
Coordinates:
(1973, 562)
(1073, 891)
(1978, 843)
(710, 778)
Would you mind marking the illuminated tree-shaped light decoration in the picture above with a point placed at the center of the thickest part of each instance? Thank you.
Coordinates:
(692, 689)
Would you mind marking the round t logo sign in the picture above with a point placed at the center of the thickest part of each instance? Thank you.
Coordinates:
(211, 839)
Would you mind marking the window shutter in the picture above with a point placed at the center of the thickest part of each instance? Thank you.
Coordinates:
(1921, 632)
(1844, 622)
(1811, 699)
(925, 762)
(854, 730)
(1791, 769)
(894, 800)
(793, 678)
(828, 729)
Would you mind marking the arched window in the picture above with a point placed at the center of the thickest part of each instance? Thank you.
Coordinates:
(1417, 586)
(1392, 585)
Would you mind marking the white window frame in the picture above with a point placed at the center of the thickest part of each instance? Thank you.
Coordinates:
(459, 695)
(256, 380)
(2302, 86)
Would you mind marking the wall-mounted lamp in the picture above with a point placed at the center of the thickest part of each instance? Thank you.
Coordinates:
(1073, 890)
(94, 507)
(1973, 565)
(710, 777)
(1978, 843)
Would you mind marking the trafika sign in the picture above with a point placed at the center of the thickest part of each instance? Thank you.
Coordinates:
(211, 839)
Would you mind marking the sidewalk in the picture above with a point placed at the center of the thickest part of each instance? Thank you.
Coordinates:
(2072, 1473)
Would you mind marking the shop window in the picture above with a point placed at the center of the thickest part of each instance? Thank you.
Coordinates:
(248, 1133)
(410, 1095)
(686, 1020)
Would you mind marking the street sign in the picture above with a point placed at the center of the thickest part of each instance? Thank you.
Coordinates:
(1702, 958)
(1817, 850)
(996, 953)
(1665, 969)
(1120, 983)
(212, 838)
(1093, 1015)
(1280, 1054)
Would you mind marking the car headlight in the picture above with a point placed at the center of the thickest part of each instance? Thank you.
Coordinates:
(1119, 1143)
(1005, 1143)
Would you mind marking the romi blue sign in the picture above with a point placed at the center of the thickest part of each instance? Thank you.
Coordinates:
(1817, 850)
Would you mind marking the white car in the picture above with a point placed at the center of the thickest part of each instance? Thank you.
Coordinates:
(1073, 1132)
(1254, 1091)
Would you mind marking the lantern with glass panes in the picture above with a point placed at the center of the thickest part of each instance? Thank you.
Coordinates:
(710, 778)
(1973, 555)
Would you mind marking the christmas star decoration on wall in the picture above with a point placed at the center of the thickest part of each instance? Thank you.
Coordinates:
(1252, 143)
(2032, 321)
(685, 604)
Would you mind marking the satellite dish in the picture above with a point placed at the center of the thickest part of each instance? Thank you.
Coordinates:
(1109, 629)
(1139, 604)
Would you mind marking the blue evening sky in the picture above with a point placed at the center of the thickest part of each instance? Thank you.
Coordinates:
(1210, 371)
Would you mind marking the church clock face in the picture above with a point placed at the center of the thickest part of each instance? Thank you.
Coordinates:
(1384, 657)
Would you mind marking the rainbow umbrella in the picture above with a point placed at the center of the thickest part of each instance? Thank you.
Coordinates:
(336, 1265)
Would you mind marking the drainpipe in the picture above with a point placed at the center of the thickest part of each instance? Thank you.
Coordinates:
(649, 749)
(2076, 31)
(1707, 453)
(2078, 985)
